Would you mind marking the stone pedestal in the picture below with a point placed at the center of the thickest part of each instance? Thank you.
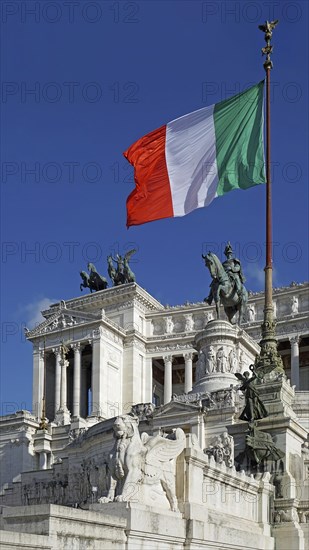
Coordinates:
(287, 475)
(223, 350)
(147, 526)
(63, 417)
(42, 448)
(78, 423)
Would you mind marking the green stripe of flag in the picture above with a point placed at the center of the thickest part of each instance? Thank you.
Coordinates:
(239, 140)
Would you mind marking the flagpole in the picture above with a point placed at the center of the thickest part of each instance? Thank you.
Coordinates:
(269, 261)
(269, 358)
(43, 423)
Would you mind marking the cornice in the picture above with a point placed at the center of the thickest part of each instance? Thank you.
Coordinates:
(112, 296)
(293, 287)
(193, 307)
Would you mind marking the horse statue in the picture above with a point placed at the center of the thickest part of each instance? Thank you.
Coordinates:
(94, 281)
(85, 277)
(123, 273)
(223, 287)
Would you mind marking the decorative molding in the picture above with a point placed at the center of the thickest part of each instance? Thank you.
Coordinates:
(179, 349)
(115, 295)
(61, 320)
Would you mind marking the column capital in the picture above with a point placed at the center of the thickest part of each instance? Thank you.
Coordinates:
(294, 340)
(97, 333)
(77, 346)
(57, 351)
(167, 359)
(188, 356)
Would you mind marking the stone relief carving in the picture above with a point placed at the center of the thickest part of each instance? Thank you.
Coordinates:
(304, 516)
(194, 398)
(157, 326)
(278, 484)
(68, 489)
(219, 399)
(294, 304)
(139, 462)
(143, 411)
(221, 360)
(77, 436)
(242, 362)
(222, 449)
(170, 348)
(233, 361)
(169, 325)
(44, 492)
(189, 323)
(201, 365)
(283, 516)
(251, 312)
(210, 361)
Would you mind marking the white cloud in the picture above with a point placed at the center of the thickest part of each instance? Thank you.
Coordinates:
(255, 276)
(32, 311)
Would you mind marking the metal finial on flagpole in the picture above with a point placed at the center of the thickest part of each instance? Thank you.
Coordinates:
(269, 359)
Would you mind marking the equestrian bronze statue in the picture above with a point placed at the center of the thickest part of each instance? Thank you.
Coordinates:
(227, 285)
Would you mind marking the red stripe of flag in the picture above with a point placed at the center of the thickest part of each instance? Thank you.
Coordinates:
(151, 199)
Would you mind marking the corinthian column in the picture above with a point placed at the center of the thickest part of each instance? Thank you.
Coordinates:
(188, 371)
(295, 361)
(167, 378)
(76, 378)
(38, 381)
(63, 393)
(57, 379)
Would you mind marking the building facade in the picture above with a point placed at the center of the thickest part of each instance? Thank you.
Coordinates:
(124, 347)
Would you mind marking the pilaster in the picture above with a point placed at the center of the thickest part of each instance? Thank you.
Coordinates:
(98, 379)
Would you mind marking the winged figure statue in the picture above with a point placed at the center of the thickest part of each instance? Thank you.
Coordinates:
(144, 460)
(254, 408)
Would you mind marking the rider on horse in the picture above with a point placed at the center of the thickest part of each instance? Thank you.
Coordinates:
(227, 285)
(232, 266)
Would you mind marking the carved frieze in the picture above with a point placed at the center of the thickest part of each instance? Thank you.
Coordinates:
(169, 347)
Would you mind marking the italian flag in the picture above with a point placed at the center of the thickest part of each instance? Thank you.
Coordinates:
(190, 161)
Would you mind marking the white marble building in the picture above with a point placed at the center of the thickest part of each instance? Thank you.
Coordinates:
(176, 368)
(126, 348)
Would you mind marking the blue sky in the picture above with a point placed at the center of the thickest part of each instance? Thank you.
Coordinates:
(82, 81)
